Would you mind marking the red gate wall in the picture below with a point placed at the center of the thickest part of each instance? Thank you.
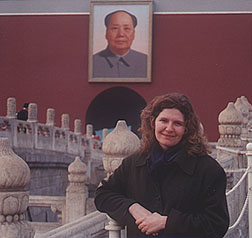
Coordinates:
(44, 59)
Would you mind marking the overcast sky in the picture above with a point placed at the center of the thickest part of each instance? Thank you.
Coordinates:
(83, 6)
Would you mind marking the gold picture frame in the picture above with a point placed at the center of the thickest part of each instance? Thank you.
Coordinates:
(120, 47)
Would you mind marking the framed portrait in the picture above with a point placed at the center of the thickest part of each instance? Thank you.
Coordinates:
(120, 41)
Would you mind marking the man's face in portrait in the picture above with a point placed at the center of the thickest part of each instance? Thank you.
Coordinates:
(120, 33)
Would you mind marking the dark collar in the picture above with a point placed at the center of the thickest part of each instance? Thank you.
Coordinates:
(185, 162)
(112, 59)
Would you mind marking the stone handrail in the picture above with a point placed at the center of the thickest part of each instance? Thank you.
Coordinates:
(56, 203)
(87, 226)
(46, 136)
(34, 135)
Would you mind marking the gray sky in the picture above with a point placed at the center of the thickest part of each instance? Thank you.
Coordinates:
(83, 6)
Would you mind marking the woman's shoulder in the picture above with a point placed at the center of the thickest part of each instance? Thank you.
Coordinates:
(136, 158)
(209, 165)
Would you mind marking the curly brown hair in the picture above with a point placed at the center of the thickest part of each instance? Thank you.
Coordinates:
(194, 140)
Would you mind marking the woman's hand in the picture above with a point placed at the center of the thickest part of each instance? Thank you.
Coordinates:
(151, 224)
(137, 211)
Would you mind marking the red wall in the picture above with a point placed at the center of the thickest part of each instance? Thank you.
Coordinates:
(44, 59)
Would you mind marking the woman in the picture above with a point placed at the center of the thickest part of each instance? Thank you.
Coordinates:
(171, 187)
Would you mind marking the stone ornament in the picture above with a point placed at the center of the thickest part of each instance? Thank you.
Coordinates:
(65, 121)
(249, 106)
(77, 171)
(242, 107)
(14, 177)
(118, 144)
(32, 112)
(77, 126)
(244, 110)
(11, 108)
(50, 117)
(89, 130)
(77, 191)
(230, 126)
(249, 125)
(12, 164)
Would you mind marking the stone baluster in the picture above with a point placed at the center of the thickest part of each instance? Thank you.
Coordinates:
(32, 112)
(244, 110)
(77, 191)
(229, 147)
(15, 176)
(249, 125)
(65, 121)
(249, 158)
(117, 145)
(89, 130)
(104, 133)
(50, 117)
(230, 125)
(11, 108)
(77, 126)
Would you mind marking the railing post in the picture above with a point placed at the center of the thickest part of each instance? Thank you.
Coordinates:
(32, 112)
(249, 157)
(89, 130)
(11, 108)
(117, 145)
(15, 176)
(65, 121)
(77, 191)
(77, 126)
(114, 228)
(50, 117)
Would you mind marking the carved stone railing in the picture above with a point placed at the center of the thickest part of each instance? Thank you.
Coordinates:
(56, 203)
(15, 176)
(46, 145)
(34, 135)
(91, 225)
(117, 145)
(234, 128)
(74, 204)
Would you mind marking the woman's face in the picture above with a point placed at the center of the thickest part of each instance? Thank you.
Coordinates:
(169, 127)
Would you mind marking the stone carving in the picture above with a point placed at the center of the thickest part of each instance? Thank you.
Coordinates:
(58, 208)
(249, 106)
(77, 191)
(32, 112)
(77, 171)
(50, 117)
(244, 110)
(118, 144)
(14, 177)
(77, 126)
(65, 121)
(89, 130)
(230, 125)
(249, 125)
(11, 108)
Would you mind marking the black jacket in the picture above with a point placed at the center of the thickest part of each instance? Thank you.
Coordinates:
(192, 195)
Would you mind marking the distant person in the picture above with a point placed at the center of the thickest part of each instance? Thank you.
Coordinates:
(23, 114)
(118, 60)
